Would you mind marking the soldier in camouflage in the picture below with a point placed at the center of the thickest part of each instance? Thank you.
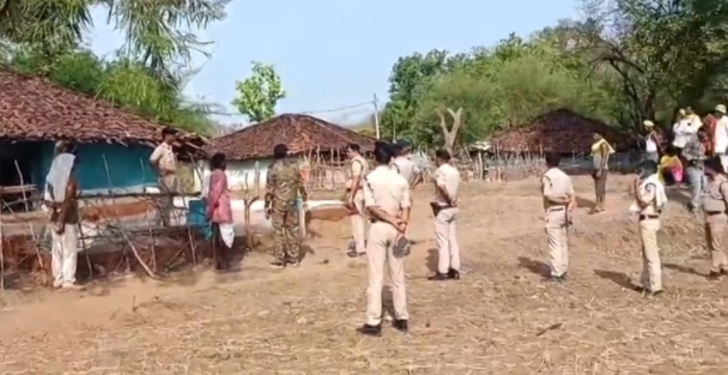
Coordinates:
(284, 184)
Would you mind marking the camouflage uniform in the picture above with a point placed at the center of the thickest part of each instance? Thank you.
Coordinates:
(283, 185)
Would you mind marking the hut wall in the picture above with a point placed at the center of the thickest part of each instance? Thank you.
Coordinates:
(128, 167)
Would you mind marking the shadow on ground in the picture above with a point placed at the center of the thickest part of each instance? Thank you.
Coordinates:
(534, 266)
(619, 278)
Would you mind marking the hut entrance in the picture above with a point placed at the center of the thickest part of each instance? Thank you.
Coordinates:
(16, 177)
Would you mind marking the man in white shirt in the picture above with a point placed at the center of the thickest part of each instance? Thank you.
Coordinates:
(720, 134)
(164, 162)
(651, 149)
(686, 126)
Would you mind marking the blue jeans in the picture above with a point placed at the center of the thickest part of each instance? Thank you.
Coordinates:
(696, 178)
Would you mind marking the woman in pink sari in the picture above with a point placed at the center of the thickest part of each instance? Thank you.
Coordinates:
(220, 213)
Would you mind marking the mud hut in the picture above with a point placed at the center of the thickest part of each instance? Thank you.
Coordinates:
(560, 131)
(113, 149)
(317, 143)
(517, 152)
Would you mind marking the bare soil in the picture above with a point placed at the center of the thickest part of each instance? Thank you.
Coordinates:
(499, 319)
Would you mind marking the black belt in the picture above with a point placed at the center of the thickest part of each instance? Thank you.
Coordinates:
(713, 213)
(555, 208)
(646, 217)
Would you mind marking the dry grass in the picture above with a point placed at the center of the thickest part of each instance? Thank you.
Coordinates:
(500, 319)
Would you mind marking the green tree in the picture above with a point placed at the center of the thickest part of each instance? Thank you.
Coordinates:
(156, 32)
(667, 54)
(123, 82)
(259, 94)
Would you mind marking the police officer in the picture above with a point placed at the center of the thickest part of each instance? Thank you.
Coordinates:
(387, 200)
(650, 198)
(714, 206)
(402, 161)
(358, 168)
(558, 201)
(445, 211)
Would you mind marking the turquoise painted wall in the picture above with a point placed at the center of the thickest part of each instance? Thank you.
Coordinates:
(127, 166)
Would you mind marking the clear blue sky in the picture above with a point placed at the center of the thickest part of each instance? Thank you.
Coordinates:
(335, 53)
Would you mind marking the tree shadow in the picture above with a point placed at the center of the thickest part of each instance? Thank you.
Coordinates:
(432, 256)
(683, 269)
(534, 266)
(619, 278)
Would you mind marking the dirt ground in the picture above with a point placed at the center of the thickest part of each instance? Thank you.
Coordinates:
(499, 319)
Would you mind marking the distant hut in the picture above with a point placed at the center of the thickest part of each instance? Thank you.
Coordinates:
(561, 131)
(309, 139)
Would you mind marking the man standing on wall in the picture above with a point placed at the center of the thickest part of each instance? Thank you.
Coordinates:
(61, 196)
(284, 184)
(164, 162)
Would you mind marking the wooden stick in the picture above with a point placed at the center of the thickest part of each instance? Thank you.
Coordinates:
(27, 209)
(121, 230)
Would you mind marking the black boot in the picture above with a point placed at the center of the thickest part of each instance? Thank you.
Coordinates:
(370, 330)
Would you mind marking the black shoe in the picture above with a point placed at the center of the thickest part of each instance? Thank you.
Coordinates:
(715, 276)
(401, 325)
(439, 277)
(354, 254)
(651, 294)
(556, 279)
(370, 330)
(453, 274)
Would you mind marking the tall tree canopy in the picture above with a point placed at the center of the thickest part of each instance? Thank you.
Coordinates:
(259, 94)
(625, 61)
(45, 37)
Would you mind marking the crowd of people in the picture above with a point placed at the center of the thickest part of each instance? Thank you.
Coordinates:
(696, 156)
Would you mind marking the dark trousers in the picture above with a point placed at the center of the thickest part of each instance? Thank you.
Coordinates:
(220, 251)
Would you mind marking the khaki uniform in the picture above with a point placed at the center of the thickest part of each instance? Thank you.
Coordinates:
(163, 156)
(649, 222)
(405, 167)
(448, 251)
(556, 183)
(359, 167)
(385, 189)
(715, 222)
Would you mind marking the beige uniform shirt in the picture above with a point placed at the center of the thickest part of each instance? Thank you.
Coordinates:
(358, 166)
(648, 195)
(164, 157)
(386, 189)
(447, 178)
(405, 167)
(555, 183)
